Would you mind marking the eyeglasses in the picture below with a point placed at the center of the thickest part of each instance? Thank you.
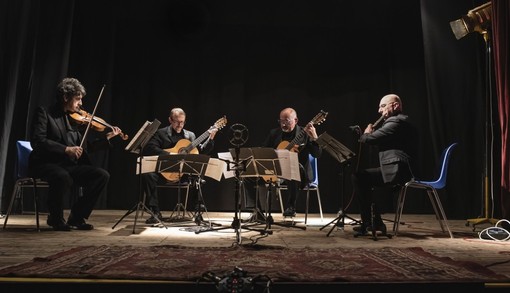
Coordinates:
(285, 121)
(178, 122)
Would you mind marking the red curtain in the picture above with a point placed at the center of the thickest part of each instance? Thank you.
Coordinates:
(500, 32)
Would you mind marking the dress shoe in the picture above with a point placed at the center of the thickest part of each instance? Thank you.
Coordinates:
(155, 219)
(78, 223)
(360, 230)
(363, 229)
(289, 212)
(58, 224)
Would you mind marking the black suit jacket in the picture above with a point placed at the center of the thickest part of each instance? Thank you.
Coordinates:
(49, 139)
(396, 140)
(163, 139)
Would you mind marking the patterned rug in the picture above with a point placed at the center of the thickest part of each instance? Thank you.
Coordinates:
(275, 263)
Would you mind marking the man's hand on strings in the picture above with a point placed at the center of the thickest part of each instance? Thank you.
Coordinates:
(212, 133)
(311, 131)
(115, 131)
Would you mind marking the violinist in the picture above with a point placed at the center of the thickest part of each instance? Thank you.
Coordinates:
(396, 140)
(60, 157)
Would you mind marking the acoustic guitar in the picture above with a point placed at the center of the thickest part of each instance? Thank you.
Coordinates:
(293, 145)
(184, 146)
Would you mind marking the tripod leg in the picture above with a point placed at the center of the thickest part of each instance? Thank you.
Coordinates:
(269, 218)
(134, 208)
(201, 208)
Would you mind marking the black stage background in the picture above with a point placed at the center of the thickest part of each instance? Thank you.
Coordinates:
(248, 60)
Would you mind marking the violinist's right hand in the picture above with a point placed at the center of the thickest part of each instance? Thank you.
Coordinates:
(74, 152)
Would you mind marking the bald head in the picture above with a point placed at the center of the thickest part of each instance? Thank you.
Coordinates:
(390, 105)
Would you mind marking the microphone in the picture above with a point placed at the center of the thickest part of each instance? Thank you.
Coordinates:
(238, 134)
(355, 128)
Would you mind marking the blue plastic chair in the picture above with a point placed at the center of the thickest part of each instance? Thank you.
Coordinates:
(24, 149)
(431, 187)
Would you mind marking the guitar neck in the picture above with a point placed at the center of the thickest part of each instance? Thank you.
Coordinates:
(197, 141)
(297, 138)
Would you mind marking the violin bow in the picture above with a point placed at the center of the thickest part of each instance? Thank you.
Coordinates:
(92, 116)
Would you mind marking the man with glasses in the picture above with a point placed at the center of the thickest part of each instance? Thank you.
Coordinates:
(161, 143)
(279, 138)
(396, 141)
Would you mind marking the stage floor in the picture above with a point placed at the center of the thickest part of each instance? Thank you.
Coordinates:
(20, 241)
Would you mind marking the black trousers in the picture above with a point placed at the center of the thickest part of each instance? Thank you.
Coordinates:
(364, 182)
(61, 180)
(252, 186)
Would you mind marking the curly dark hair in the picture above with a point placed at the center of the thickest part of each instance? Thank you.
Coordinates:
(69, 87)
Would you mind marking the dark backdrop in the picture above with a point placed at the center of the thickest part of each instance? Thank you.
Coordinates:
(248, 60)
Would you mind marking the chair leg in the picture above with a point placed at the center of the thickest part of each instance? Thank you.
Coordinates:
(438, 209)
(307, 204)
(320, 204)
(280, 198)
(11, 203)
(186, 198)
(400, 208)
(36, 208)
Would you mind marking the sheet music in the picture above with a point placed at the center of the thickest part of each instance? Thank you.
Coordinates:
(289, 164)
(135, 138)
(215, 168)
(148, 164)
(227, 157)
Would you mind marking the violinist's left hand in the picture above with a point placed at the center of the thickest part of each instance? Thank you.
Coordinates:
(115, 131)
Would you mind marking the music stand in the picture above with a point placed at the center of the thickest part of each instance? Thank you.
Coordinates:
(245, 165)
(268, 163)
(193, 165)
(342, 154)
(136, 146)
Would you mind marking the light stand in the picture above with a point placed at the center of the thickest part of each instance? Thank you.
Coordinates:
(488, 167)
(478, 20)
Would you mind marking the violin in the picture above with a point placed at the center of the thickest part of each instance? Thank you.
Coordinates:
(82, 117)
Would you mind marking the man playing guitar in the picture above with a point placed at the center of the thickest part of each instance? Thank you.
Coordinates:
(163, 143)
(289, 135)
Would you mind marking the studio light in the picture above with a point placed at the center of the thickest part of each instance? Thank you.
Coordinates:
(476, 20)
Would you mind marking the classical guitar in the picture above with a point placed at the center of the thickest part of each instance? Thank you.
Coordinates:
(184, 146)
(294, 144)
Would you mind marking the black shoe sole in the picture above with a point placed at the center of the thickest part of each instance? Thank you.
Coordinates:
(61, 228)
(84, 227)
